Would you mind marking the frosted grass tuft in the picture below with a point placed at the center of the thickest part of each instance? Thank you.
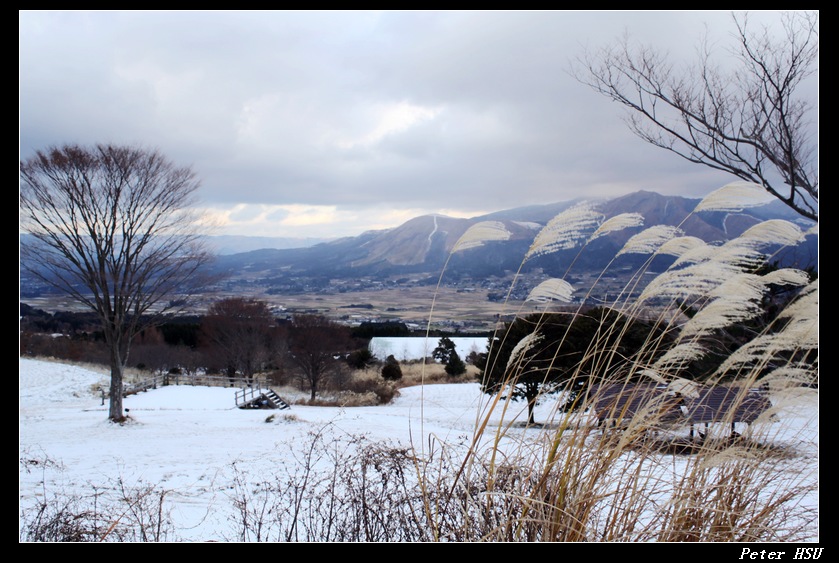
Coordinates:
(680, 245)
(552, 290)
(522, 347)
(650, 240)
(696, 280)
(479, 233)
(770, 232)
(806, 306)
(735, 197)
(679, 356)
(618, 223)
(566, 231)
(801, 331)
(787, 276)
(736, 299)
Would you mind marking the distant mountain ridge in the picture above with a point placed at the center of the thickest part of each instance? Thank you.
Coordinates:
(419, 250)
(423, 244)
(236, 244)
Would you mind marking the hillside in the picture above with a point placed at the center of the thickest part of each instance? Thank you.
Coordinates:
(422, 245)
(391, 272)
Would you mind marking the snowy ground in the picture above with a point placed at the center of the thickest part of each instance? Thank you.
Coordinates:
(185, 439)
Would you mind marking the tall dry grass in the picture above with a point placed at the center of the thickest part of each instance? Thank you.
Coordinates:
(647, 480)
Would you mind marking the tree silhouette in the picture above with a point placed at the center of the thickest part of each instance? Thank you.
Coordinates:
(748, 120)
(112, 227)
(566, 352)
(241, 334)
(446, 353)
(391, 370)
(316, 347)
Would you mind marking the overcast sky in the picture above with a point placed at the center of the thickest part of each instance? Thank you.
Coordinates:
(324, 124)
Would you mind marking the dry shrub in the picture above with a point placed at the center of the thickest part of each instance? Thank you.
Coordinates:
(280, 378)
(430, 372)
(358, 389)
(112, 512)
(355, 399)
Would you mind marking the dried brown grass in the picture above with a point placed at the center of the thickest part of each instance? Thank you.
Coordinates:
(568, 481)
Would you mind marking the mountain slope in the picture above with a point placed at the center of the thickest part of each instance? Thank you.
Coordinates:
(421, 248)
(423, 244)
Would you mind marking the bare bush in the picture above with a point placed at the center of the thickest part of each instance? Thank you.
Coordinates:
(116, 512)
(573, 484)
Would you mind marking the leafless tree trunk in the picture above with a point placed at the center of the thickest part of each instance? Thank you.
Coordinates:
(242, 334)
(112, 227)
(314, 342)
(746, 121)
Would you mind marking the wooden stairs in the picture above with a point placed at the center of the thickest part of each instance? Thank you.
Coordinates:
(258, 398)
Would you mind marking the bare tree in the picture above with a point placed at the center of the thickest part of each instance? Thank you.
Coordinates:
(315, 346)
(746, 120)
(240, 333)
(112, 227)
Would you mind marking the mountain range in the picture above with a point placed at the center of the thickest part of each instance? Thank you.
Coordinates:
(236, 244)
(422, 245)
(420, 250)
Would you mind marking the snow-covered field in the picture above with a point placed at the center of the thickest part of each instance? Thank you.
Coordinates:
(186, 439)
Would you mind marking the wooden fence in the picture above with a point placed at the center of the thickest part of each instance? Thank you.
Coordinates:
(187, 379)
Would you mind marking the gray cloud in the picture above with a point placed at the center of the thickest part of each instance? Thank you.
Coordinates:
(401, 112)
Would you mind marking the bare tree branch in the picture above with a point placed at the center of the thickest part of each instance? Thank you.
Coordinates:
(242, 334)
(113, 228)
(746, 121)
(315, 342)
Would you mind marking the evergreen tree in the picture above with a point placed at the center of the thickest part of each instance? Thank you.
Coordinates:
(548, 353)
(391, 370)
(446, 354)
(361, 358)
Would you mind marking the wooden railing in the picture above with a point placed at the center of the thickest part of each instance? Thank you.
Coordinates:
(210, 380)
(247, 394)
(187, 379)
(249, 389)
